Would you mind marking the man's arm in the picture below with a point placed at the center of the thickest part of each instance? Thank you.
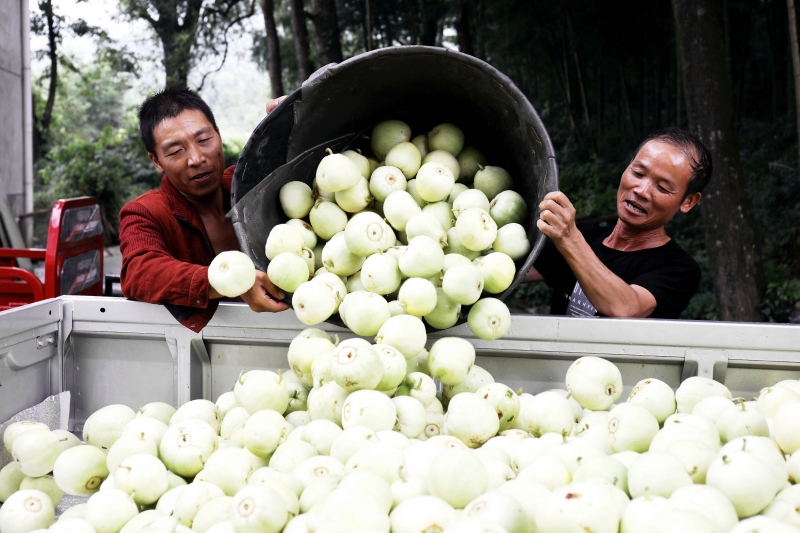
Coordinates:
(149, 272)
(607, 291)
(533, 275)
(274, 102)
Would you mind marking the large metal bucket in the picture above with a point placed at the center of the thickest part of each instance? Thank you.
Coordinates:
(423, 86)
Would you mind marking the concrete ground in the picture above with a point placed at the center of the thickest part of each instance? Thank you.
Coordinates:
(112, 263)
(112, 260)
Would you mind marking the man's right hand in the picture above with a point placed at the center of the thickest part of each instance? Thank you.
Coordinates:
(557, 219)
(264, 296)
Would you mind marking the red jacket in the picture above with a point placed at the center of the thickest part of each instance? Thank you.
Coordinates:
(166, 252)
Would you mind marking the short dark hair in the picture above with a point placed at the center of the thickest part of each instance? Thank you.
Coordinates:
(694, 149)
(165, 104)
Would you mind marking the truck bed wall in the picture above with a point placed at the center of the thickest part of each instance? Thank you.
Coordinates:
(110, 350)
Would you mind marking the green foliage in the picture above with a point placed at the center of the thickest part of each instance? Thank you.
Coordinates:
(192, 34)
(769, 158)
(88, 100)
(231, 151)
(599, 83)
(533, 298)
(630, 90)
(94, 145)
(783, 292)
(109, 168)
(592, 185)
(689, 232)
(780, 299)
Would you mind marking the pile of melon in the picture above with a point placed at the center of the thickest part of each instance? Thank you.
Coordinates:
(430, 231)
(360, 437)
(404, 435)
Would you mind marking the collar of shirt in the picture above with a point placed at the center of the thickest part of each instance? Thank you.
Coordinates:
(181, 207)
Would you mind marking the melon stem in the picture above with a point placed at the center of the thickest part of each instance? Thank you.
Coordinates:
(741, 403)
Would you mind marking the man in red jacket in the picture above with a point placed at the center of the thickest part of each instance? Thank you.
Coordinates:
(168, 237)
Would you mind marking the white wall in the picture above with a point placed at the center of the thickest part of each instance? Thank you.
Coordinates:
(12, 138)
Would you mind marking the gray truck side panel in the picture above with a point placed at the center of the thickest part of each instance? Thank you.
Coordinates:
(110, 350)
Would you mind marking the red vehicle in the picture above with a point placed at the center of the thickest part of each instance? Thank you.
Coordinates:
(73, 258)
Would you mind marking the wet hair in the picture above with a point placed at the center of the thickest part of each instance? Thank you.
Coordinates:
(694, 149)
(165, 104)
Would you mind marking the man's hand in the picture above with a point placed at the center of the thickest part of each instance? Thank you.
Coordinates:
(264, 296)
(273, 103)
(557, 219)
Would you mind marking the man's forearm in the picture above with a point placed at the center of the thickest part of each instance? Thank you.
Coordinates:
(609, 294)
(153, 277)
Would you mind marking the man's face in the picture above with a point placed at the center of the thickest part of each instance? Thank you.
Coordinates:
(189, 151)
(652, 187)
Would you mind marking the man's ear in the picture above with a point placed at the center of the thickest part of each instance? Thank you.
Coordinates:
(154, 159)
(689, 202)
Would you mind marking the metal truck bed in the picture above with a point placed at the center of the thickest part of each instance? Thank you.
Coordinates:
(110, 350)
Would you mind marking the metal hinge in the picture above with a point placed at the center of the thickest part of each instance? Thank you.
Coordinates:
(48, 339)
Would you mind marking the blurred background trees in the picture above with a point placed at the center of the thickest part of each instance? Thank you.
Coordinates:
(601, 75)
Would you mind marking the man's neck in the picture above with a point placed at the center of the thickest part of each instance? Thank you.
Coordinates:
(626, 238)
(211, 205)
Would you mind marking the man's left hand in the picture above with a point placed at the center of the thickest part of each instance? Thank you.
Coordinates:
(557, 219)
(264, 296)
(273, 103)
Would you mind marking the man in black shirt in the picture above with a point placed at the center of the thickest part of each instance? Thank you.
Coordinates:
(633, 269)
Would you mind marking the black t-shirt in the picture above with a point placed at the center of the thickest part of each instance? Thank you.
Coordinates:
(667, 272)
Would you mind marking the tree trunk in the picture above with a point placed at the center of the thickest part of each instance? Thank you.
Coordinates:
(388, 32)
(563, 80)
(429, 33)
(678, 81)
(52, 53)
(367, 26)
(273, 48)
(177, 59)
(464, 34)
(600, 98)
(326, 31)
(741, 83)
(796, 68)
(479, 30)
(625, 100)
(777, 47)
(176, 28)
(565, 61)
(39, 140)
(413, 17)
(300, 32)
(734, 254)
(584, 103)
(430, 24)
